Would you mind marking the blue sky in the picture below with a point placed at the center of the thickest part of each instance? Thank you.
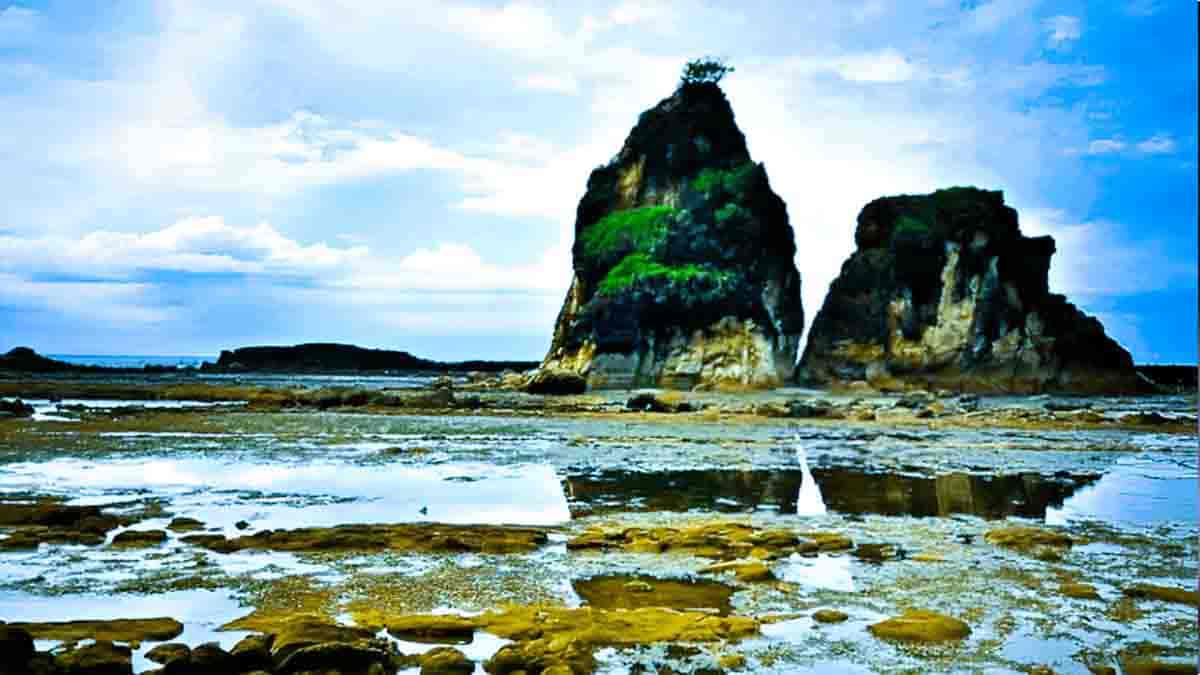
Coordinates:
(180, 177)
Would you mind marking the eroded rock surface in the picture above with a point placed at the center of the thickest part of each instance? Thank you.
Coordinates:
(403, 537)
(683, 260)
(944, 290)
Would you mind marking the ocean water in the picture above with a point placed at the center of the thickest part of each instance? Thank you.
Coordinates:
(132, 360)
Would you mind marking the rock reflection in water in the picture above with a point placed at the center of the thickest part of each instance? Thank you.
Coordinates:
(809, 501)
(844, 490)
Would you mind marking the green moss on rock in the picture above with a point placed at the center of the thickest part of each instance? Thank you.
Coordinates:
(734, 182)
(639, 267)
(628, 231)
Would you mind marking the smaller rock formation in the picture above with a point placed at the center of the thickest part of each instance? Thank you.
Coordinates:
(920, 625)
(945, 292)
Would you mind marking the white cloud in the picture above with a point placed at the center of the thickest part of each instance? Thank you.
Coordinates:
(991, 16)
(207, 245)
(887, 65)
(1158, 144)
(193, 245)
(1105, 146)
(516, 26)
(557, 83)
(1062, 30)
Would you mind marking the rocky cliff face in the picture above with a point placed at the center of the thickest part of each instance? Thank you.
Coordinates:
(683, 260)
(944, 291)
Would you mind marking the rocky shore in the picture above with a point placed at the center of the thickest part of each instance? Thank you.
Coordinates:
(506, 396)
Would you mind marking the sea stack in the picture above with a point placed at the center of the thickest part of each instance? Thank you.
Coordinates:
(945, 292)
(684, 271)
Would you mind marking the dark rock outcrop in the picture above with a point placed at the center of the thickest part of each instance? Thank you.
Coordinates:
(944, 291)
(683, 260)
(15, 408)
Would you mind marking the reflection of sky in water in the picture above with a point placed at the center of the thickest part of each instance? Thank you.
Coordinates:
(323, 493)
(1136, 490)
(200, 611)
(822, 571)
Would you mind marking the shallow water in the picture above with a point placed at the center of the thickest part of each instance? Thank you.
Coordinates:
(1132, 498)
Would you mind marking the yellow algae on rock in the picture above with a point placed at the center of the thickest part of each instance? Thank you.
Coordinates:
(420, 537)
(623, 592)
(1078, 590)
(114, 630)
(742, 570)
(830, 616)
(1164, 593)
(644, 625)
(920, 625)
(432, 627)
(445, 661)
(1028, 538)
(719, 540)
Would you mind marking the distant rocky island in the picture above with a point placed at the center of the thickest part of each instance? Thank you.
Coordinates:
(303, 358)
(332, 357)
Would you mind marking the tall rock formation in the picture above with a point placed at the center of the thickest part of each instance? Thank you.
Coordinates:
(944, 291)
(683, 260)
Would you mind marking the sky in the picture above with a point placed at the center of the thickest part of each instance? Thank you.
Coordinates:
(185, 176)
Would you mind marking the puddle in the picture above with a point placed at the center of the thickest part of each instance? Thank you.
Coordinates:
(843, 490)
(271, 495)
(200, 611)
(1134, 491)
(635, 591)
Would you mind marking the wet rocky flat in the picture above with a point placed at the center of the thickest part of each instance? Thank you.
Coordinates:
(743, 533)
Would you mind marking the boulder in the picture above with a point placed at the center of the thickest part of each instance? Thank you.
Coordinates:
(340, 657)
(920, 625)
(139, 538)
(253, 652)
(446, 661)
(170, 653)
(662, 402)
(185, 524)
(830, 616)
(16, 648)
(683, 260)
(99, 658)
(945, 292)
(556, 382)
(211, 658)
